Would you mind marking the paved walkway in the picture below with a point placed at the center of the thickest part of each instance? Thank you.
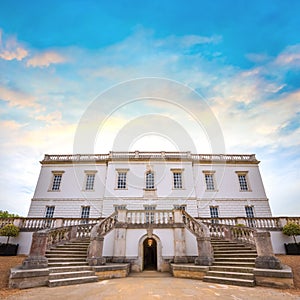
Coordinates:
(165, 288)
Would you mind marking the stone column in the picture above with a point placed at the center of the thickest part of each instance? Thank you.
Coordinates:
(266, 258)
(36, 258)
(95, 251)
(179, 246)
(119, 245)
(179, 239)
(205, 252)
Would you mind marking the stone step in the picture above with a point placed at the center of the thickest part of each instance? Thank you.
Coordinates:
(67, 264)
(234, 251)
(231, 269)
(235, 255)
(231, 281)
(65, 255)
(69, 281)
(235, 264)
(70, 269)
(64, 259)
(80, 247)
(61, 275)
(235, 259)
(59, 251)
(232, 248)
(230, 275)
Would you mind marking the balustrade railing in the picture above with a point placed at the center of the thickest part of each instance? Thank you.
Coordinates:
(107, 224)
(193, 225)
(149, 217)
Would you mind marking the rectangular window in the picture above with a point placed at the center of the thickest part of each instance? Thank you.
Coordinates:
(149, 180)
(90, 179)
(85, 212)
(250, 215)
(149, 214)
(56, 182)
(49, 212)
(121, 180)
(243, 182)
(181, 207)
(120, 207)
(214, 211)
(177, 180)
(209, 180)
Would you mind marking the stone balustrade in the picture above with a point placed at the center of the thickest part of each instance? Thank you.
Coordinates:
(149, 217)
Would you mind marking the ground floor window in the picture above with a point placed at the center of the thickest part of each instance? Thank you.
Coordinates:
(49, 212)
(214, 213)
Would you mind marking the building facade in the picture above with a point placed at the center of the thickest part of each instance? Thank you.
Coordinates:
(91, 186)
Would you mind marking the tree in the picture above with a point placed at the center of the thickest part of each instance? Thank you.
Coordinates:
(291, 229)
(9, 230)
(6, 214)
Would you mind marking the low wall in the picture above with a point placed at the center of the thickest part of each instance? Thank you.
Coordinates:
(278, 241)
(23, 239)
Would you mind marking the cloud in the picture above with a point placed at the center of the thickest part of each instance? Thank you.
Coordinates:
(17, 98)
(289, 57)
(10, 49)
(45, 59)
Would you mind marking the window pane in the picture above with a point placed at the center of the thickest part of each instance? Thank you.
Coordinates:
(214, 213)
(85, 212)
(243, 182)
(249, 211)
(177, 179)
(56, 182)
(122, 180)
(209, 182)
(149, 180)
(49, 211)
(90, 182)
(149, 214)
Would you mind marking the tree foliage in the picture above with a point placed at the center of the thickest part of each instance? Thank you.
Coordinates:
(6, 214)
(291, 229)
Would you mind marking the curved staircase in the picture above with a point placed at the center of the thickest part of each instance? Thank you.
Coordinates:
(67, 264)
(233, 264)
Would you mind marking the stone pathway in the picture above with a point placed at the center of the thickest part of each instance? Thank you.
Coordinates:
(165, 288)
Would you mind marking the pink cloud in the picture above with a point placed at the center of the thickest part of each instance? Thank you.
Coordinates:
(45, 59)
(10, 49)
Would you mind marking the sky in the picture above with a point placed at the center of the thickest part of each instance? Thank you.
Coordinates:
(240, 58)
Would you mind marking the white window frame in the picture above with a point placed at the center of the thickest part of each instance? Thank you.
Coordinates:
(180, 206)
(149, 182)
(120, 207)
(174, 185)
(85, 212)
(87, 185)
(207, 182)
(246, 180)
(53, 184)
(49, 213)
(118, 180)
(149, 215)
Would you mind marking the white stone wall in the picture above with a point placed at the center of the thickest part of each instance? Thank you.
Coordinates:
(105, 195)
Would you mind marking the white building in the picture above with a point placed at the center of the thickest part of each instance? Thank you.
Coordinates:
(83, 186)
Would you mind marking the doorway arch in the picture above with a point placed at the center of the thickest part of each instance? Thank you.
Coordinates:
(150, 254)
(156, 241)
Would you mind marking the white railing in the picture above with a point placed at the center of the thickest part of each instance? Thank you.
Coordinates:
(150, 155)
(149, 217)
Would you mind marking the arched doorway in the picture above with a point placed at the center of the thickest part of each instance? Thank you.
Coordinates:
(150, 254)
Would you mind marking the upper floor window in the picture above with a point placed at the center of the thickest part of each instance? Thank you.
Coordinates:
(244, 185)
(122, 179)
(56, 180)
(85, 212)
(150, 180)
(177, 178)
(90, 179)
(49, 212)
(209, 180)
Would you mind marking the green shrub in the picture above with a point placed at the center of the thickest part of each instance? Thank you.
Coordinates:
(291, 229)
(9, 230)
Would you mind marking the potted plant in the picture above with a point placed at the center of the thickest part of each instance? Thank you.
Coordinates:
(292, 229)
(7, 249)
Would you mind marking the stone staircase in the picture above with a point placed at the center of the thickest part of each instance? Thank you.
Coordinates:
(67, 264)
(233, 264)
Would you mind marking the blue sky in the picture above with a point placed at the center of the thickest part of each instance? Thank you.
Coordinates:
(242, 57)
